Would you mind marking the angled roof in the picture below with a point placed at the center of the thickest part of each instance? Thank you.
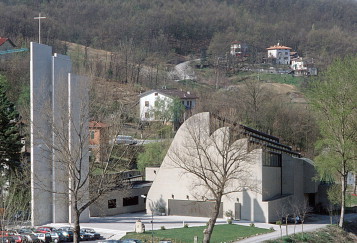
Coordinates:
(279, 47)
(3, 40)
(175, 93)
(95, 124)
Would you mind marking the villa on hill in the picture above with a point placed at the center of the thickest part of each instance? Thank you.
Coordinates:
(149, 102)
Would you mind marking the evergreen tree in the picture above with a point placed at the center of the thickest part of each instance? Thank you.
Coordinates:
(10, 138)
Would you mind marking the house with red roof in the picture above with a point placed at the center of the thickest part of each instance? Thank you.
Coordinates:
(6, 44)
(279, 54)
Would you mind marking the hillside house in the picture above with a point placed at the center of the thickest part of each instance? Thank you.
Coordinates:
(281, 175)
(149, 101)
(303, 67)
(6, 44)
(98, 140)
(279, 54)
(239, 49)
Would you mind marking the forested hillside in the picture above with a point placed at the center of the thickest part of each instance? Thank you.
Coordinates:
(318, 28)
(128, 46)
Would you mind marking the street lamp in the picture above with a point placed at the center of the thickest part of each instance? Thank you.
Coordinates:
(152, 219)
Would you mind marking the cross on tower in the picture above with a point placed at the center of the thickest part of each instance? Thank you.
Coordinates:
(39, 26)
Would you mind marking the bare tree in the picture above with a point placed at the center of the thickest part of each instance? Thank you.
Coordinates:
(219, 161)
(78, 179)
(303, 208)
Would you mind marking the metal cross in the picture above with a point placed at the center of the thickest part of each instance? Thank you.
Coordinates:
(39, 26)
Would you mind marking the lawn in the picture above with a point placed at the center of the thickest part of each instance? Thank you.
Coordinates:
(221, 233)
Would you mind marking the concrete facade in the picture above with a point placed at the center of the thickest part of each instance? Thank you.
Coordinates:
(279, 174)
(58, 107)
(61, 66)
(119, 202)
(41, 110)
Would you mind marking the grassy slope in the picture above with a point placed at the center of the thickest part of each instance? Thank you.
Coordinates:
(329, 234)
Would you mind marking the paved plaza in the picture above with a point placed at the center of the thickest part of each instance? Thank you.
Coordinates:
(116, 227)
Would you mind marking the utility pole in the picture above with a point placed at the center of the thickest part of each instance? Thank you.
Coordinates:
(39, 26)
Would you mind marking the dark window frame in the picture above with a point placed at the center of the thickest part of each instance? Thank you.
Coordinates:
(112, 203)
(272, 159)
(130, 201)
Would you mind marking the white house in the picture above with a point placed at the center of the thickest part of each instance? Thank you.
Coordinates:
(239, 49)
(303, 67)
(280, 54)
(149, 99)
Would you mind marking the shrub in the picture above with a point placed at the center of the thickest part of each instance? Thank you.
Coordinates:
(229, 221)
(185, 225)
(228, 213)
(252, 225)
(162, 228)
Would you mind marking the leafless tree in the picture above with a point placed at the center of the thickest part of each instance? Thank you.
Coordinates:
(303, 209)
(283, 212)
(78, 179)
(218, 160)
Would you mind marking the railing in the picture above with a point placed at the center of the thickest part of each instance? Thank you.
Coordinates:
(13, 51)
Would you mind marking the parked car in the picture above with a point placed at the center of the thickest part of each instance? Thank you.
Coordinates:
(94, 235)
(66, 232)
(67, 228)
(44, 229)
(25, 231)
(85, 236)
(131, 241)
(44, 237)
(57, 236)
(123, 139)
(6, 233)
(17, 238)
(7, 239)
(109, 241)
(291, 220)
(30, 237)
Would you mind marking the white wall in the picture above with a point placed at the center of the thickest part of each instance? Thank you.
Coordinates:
(151, 98)
(282, 55)
(41, 115)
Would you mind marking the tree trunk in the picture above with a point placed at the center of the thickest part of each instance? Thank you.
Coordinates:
(343, 198)
(212, 221)
(76, 228)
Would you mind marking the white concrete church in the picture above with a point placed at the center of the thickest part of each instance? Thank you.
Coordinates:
(279, 173)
